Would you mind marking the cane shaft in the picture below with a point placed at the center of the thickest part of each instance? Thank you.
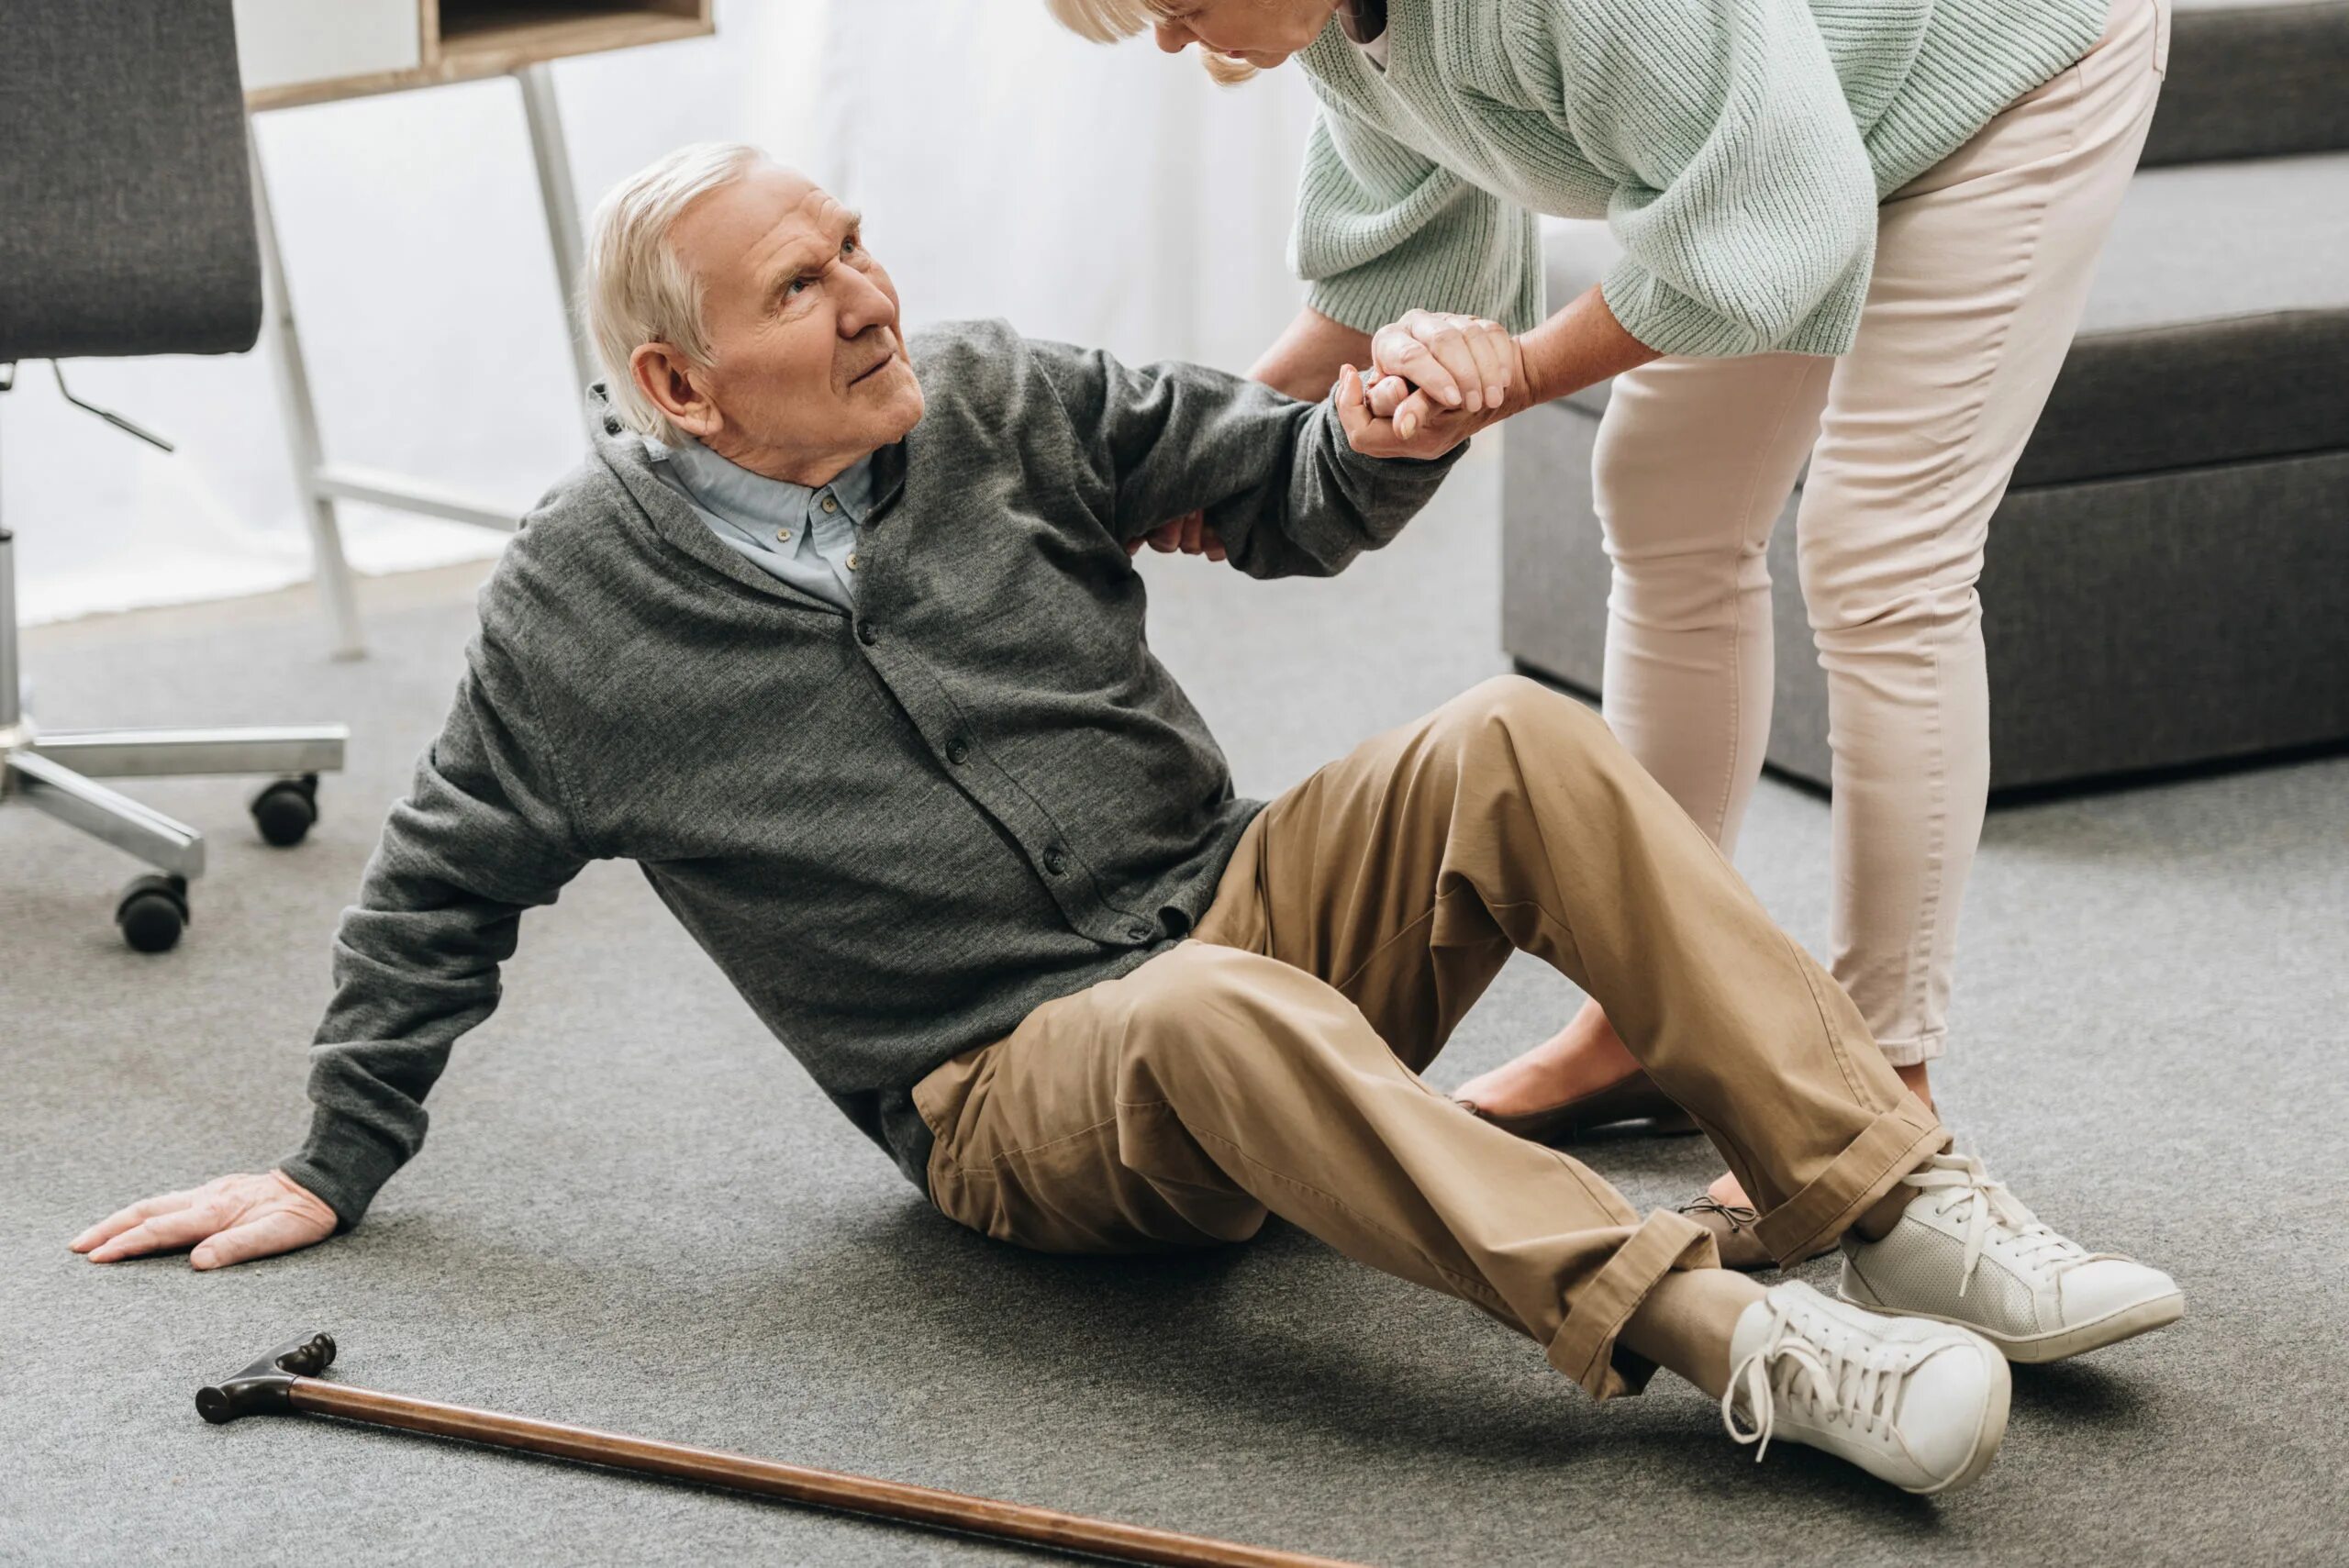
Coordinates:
(799, 1484)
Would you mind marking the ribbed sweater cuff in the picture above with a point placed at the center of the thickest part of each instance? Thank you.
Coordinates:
(1671, 323)
(1350, 299)
(1366, 298)
(344, 1163)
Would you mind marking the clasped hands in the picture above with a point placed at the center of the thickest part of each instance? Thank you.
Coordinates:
(1434, 380)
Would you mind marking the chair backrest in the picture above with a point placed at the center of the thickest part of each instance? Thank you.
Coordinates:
(126, 207)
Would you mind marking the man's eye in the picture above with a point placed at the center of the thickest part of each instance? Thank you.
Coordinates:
(798, 284)
(850, 245)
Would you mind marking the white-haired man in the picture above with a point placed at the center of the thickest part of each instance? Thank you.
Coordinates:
(835, 636)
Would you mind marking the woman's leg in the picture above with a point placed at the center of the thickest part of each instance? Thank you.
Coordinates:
(1694, 464)
(1982, 270)
(1983, 266)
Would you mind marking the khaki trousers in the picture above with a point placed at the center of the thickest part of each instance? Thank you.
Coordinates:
(1982, 269)
(1271, 1063)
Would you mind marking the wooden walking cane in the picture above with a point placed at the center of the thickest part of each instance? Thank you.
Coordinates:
(286, 1381)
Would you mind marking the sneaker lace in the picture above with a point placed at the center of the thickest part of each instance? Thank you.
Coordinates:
(1860, 1390)
(1995, 1215)
(1741, 1217)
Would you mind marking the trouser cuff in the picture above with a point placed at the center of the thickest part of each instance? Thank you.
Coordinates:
(1585, 1347)
(1915, 1051)
(1894, 1144)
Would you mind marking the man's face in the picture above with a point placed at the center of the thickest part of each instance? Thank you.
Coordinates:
(806, 368)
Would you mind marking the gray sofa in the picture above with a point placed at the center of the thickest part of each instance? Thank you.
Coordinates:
(2167, 583)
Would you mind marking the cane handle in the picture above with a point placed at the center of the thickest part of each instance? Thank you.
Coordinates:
(265, 1387)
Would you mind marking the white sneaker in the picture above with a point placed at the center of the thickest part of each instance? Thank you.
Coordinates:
(1966, 1251)
(1920, 1405)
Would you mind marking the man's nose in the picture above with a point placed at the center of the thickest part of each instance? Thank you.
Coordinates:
(864, 304)
(1173, 37)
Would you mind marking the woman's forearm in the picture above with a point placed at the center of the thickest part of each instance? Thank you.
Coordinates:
(1305, 359)
(1579, 345)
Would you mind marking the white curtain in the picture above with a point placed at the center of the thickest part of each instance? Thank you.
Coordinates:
(1110, 196)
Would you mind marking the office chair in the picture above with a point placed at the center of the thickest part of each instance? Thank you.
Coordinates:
(127, 227)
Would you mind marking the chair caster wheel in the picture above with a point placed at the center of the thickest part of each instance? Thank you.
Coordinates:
(153, 912)
(284, 810)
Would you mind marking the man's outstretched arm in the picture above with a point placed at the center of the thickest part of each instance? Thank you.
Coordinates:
(482, 835)
(1283, 483)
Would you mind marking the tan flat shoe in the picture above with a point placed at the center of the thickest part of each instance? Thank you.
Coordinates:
(1733, 1226)
(1636, 1098)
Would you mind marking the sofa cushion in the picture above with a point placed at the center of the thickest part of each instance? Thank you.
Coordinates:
(2252, 79)
(2217, 329)
(2135, 624)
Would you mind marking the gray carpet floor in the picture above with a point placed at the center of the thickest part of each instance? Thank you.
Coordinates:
(690, 1242)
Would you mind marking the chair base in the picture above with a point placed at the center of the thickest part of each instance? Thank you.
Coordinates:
(153, 910)
(56, 774)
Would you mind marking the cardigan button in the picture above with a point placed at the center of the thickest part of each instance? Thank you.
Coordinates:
(867, 634)
(1054, 862)
(957, 749)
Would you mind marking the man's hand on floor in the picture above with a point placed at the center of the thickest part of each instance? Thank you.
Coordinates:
(231, 1220)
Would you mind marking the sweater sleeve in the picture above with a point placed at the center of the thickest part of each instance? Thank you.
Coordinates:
(1382, 229)
(481, 836)
(1744, 200)
(1277, 478)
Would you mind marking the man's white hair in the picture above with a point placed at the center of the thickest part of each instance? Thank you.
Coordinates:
(1109, 21)
(637, 291)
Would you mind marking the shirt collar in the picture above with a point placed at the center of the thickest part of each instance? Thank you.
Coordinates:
(629, 457)
(730, 490)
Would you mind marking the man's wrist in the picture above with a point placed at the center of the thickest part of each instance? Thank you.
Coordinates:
(343, 1162)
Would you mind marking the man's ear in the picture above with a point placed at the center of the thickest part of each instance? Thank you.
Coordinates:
(670, 383)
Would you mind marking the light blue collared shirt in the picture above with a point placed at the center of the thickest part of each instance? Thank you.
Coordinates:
(806, 538)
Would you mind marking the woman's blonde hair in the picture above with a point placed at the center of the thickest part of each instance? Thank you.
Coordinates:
(636, 291)
(1109, 21)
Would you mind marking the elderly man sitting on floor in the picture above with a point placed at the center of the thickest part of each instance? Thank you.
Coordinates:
(835, 636)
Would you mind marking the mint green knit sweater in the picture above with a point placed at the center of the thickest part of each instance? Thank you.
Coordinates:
(1738, 148)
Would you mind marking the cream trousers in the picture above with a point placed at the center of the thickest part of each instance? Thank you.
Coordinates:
(1983, 265)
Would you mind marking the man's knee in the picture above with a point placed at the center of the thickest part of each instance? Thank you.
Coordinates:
(1525, 715)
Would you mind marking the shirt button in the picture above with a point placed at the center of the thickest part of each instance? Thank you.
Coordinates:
(1055, 861)
(867, 635)
(1140, 932)
(783, 534)
(956, 750)
(830, 505)
(851, 560)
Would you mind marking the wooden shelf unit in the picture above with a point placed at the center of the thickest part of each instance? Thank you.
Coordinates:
(463, 40)
(316, 51)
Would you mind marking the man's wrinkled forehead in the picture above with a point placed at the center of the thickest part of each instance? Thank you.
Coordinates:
(771, 219)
